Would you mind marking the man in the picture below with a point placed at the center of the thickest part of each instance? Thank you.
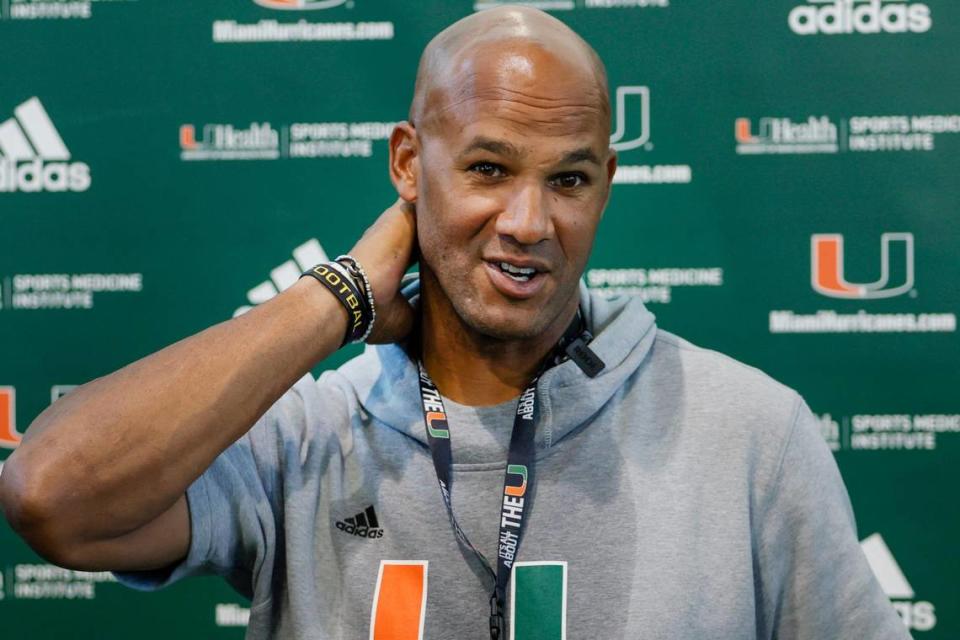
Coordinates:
(669, 491)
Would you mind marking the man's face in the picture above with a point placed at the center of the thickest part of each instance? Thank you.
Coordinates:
(515, 170)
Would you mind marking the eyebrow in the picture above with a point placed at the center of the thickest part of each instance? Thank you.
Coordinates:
(584, 154)
(509, 150)
(499, 147)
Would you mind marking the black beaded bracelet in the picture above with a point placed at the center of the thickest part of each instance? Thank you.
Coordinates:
(337, 279)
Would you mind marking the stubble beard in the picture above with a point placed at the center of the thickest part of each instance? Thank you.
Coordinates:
(460, 298)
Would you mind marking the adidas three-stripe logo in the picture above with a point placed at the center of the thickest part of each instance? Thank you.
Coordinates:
(33, 156)
(284, 276)
(364, 524)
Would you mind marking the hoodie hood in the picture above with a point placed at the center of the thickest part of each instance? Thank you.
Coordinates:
(386, 382)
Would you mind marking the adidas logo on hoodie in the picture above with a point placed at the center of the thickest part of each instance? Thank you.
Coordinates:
(364, 524)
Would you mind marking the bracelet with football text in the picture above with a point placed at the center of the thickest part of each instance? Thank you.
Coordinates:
(338, 280)
(360, 276)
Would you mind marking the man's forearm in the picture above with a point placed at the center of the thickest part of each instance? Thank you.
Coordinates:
(119, 450)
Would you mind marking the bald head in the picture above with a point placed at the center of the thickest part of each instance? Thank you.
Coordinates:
(520, 44)
(506, 157)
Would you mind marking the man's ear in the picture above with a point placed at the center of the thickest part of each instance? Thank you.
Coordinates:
(611, 170)
(405, 160)
(611, 165)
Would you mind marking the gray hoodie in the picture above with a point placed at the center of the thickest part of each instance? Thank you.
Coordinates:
(680, 495)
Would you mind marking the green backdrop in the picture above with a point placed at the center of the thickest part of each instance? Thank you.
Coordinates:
(788, 194)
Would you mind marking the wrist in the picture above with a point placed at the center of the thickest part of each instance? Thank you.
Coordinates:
(322, 304)
(346, 280)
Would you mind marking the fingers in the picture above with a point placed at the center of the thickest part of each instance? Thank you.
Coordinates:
(386, 250)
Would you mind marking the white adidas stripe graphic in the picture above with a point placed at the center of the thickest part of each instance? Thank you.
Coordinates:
(918, 615)
(885, 568)
(33, 156)
(284, 276)
(47, 143)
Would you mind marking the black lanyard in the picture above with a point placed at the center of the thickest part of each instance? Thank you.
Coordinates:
(519, 476)
(518, 480)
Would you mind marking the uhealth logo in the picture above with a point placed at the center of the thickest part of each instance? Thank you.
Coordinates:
(259, 141)
(9, 438)
(783, 135)
(827, 267)
(834, 17)
(33, 156)
(300, 5)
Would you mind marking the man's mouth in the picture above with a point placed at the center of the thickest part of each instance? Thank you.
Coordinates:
(520, 274)
(519, 278)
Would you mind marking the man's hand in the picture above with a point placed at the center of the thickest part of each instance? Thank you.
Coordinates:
(385, 252)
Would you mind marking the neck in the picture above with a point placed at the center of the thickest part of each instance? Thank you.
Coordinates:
(472, 368)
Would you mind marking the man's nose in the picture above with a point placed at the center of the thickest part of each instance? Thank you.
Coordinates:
(526, 217)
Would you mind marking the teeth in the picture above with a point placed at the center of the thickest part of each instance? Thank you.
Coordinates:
(526, 271)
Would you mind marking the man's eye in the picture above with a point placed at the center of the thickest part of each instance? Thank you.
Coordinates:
(487, 169)
(569, 180)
